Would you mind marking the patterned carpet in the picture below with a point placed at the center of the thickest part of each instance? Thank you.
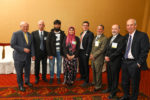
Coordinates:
(46, 91)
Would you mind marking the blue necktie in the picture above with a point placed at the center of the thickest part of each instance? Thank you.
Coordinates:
(41, 44)
(128, 47)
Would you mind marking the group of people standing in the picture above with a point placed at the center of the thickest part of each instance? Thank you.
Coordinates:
(127, 52)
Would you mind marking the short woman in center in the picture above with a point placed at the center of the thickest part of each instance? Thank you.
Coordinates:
(71, 46)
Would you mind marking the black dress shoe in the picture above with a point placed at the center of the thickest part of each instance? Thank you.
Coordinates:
(111, 96)
(45, 80)
(29, 84)
(124, 98)
(36, 81)
(84, 84)
(106, 91)
(21, 88)
(79, 79)
(95, 90)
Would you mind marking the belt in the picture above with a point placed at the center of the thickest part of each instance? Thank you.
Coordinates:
(129, 59)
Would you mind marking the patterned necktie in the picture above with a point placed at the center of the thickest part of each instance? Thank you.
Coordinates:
(41, 44)
(26, 37)
(128, 47)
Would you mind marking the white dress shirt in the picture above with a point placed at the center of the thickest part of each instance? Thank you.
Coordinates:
(81, 46)
(130, 56)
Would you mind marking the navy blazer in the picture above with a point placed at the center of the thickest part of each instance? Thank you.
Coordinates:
(139, 48)
(18, 43)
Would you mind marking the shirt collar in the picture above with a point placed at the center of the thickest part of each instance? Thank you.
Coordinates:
(132, 34)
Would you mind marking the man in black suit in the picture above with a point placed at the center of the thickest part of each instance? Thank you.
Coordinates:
(39, 40)
(86, 39)
(135, 55)
(113, 59)
(22, 44)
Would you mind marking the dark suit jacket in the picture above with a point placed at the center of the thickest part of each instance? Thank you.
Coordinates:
(115, 53)
(87, 41)
(139, 48)
(37, 41)
(18, 43)
(66, 48)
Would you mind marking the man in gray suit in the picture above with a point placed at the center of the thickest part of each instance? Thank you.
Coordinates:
(97, 57)
(22, 44)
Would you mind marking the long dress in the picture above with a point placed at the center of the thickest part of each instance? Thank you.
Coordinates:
(70, 68)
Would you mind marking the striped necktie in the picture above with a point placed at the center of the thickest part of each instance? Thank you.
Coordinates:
(26, 37)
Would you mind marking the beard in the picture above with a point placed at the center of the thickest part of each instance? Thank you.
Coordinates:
(57, 29)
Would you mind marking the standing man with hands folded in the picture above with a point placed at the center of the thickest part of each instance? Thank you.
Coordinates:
(22, 44)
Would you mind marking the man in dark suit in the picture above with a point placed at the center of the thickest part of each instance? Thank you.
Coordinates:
(113, 59)
(135, 55)
(86, 39)
(39, 40)
(22, 44)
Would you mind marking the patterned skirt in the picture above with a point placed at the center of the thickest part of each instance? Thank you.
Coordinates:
(70, 70)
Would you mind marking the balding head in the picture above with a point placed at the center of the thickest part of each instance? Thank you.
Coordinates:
(41, 25)
(24, 26)
(115, 29)
(131, 25)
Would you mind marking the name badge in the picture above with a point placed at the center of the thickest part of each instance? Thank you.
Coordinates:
(114, 45)
(74, 42)
(96, 43)
(45, 38)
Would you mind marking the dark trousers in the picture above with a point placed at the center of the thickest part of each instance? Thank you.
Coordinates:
(44, 67)
(84, 66)
(130, 72)
(19, 66)
(113, 69)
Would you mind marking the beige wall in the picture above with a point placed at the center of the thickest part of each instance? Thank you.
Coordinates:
(70, 12)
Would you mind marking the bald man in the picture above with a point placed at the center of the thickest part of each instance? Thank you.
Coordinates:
(22, 44)
(134, 59)
(113, 59)
(39, 40)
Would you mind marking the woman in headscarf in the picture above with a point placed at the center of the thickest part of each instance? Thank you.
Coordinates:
(71, 46)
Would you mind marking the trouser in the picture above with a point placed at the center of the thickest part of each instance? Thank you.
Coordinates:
(19, 70)
(84, 66)
(130, 72)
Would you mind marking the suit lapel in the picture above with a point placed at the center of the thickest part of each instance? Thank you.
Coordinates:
(115, 40)
(23, 37)
(134, 39)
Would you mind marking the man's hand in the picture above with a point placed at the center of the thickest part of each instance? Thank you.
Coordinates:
(26, 50)
(50, 57)
(107, 58)
(138, 65)
(33, 58)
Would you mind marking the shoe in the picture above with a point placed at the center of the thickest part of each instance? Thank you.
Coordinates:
(92, 83)
(106, 91)
(51, 81)
(21, 88)
(79, 79)
(111, 96)
(29, 84)
(84, 84)
(45, 80)
(58, 81)
(124, 98)
(95, 90)
(36, 81)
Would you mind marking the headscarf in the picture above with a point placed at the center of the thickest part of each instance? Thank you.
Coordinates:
(71, 39)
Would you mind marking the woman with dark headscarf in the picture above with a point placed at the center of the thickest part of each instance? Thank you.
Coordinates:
(71, 46)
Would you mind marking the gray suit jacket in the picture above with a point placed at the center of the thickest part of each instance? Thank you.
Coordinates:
(18, 43)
